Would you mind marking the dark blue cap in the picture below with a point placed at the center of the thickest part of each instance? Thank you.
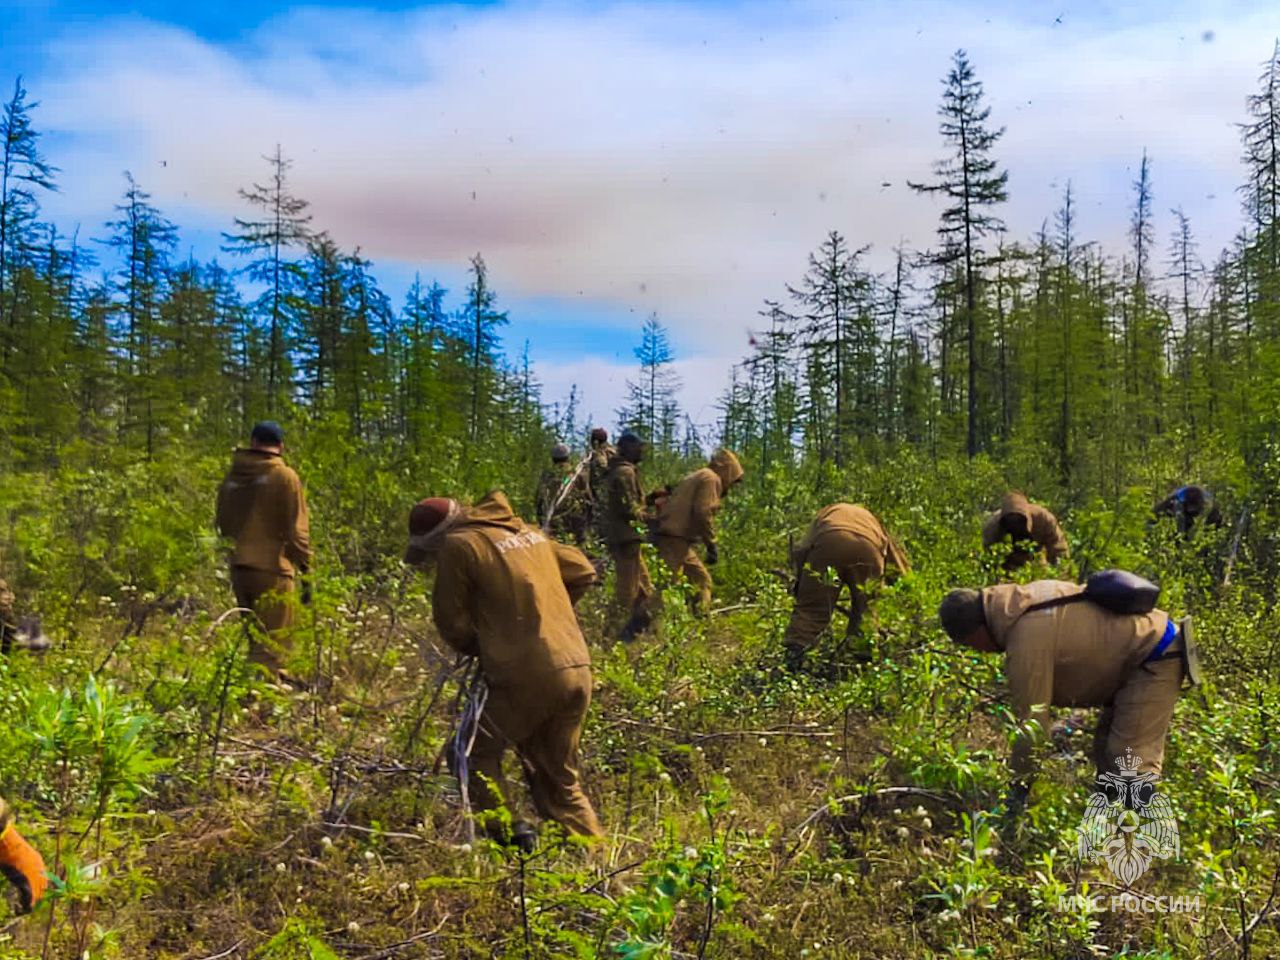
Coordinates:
(267, 432)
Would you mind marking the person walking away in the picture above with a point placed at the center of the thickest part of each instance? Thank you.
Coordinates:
(262, 508)
(623, 528)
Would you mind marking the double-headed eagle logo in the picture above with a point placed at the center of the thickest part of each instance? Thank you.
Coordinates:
(1127, 823)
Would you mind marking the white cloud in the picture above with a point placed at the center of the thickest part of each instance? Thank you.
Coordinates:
(657, 157)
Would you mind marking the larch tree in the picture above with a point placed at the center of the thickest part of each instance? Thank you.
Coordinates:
(281, 224)
(481, 321)
(835, 305)
(972, 184)
(145, 240)
(23, 172)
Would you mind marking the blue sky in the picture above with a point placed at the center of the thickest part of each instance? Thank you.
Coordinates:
(617, 158)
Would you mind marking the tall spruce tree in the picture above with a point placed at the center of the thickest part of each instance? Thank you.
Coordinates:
(652, 410)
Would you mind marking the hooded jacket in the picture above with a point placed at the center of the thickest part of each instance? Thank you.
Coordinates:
(852, 520)
(622, 520)
(1072, 655)
(689, 513)
(505, 592)
(1042, 526)
(262, 507)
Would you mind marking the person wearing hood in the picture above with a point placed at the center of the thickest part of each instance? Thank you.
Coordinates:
(505, 593)
(262, 508)
(1030, 530)
(622, 526)
(21, 864)
(564, 497)
(845, 546)
(1188, 504)
(1061, 650)
(688, 516)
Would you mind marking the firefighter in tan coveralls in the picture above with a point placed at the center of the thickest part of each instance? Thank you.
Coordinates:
(622, 525)
(1030, 529)
(20, 862)
(688, 516)
(1076, 655)
(505, 593)
(261, 506)
(845, 546)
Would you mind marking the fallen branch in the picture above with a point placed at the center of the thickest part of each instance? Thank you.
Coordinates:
(375, 833)
(391, 949)
(697, 735)
(227, 952)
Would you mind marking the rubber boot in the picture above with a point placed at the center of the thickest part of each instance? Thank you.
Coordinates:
(524, 837)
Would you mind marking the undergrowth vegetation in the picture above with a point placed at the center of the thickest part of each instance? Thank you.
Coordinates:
(854, 810)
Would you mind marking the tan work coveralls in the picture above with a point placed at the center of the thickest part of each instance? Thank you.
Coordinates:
(1081, 655)
(1044, 532)
(688, 516)
(262, 507)
(505, 593)
(846, 545)
(622, 526)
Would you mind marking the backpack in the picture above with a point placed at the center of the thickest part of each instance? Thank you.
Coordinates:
(1117, 591)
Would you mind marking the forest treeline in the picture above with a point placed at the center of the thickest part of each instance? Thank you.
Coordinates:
(1048, 352)
(119, 343)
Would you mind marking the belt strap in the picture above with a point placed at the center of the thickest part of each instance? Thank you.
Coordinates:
(1170, 634)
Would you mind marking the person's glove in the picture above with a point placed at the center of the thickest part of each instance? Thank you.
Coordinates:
(23, 867)
(713, 555)
(306, 591)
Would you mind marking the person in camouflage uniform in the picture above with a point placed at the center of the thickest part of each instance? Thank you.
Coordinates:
(572, 515)
(20, 862)
(602, 451)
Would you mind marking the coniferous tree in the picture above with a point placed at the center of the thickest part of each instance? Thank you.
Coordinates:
(144, 239)
(835, 303)
(971, 183)
(481, 322)
(651, 408)
(23, 172)
(282, 224)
